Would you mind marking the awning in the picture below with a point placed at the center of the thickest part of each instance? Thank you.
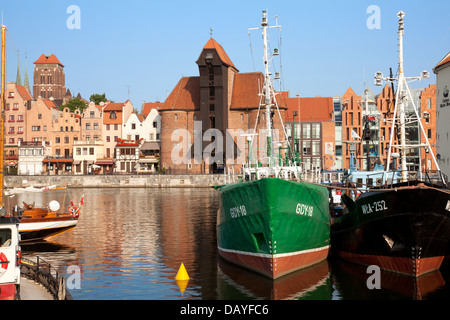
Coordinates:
(150, 145)
(104, 162)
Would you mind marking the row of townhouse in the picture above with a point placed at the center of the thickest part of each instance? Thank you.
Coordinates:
(42, 139)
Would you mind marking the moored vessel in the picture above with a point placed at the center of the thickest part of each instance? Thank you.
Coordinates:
(272, 222)
(397, 220)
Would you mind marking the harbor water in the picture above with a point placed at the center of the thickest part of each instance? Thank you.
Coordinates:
(130, 242)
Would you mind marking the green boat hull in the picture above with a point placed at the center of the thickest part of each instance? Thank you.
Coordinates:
(273, 226)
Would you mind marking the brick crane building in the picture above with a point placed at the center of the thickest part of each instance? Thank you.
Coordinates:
(219, 98)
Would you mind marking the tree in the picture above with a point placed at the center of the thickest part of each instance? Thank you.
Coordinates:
(75, 103)
(97, 98)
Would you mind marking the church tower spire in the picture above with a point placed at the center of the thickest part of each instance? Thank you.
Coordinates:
(18, 77)
(26, 82)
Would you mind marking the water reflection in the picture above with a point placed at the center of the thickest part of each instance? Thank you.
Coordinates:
(130, 243)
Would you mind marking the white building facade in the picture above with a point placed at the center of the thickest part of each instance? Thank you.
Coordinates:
(442, 71)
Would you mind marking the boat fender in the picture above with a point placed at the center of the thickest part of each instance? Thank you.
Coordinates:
(3, 264)
(74, 211)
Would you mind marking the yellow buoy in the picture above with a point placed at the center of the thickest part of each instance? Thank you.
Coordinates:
(182, 273)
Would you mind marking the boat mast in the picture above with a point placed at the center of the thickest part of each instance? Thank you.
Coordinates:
(2, 98)
(402, 96)
(268, 91)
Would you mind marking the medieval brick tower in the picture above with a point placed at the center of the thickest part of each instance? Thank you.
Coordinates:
(49, 79)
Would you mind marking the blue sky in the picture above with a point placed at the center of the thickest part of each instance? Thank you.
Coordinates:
(146, 46)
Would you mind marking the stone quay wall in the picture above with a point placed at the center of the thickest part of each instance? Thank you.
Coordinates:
(118, 181)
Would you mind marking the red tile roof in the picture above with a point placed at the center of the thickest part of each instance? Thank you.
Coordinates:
(114, 106)
(246, 88)
(48, 59)
(50, 104)
(213, 44)
(23, 93)
(311, 109)
(185, 95)
(148, 106)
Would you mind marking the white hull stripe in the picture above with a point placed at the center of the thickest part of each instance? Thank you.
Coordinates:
(279, 255)
(33, 226)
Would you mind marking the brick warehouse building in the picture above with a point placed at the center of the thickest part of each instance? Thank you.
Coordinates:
(220, 98)
(381, 109)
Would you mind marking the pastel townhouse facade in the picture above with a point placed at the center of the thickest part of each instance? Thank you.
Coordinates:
(66, 129)
(39, 120)
(144, 129)
(133, 128)
(32, 156)
(127, 156)
(18, 101)
(92, 122)
(85, 154)
(114, 116)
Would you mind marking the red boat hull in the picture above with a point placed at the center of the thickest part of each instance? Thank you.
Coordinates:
(275, 266)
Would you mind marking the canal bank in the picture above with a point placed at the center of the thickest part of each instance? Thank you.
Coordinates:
(118, 181)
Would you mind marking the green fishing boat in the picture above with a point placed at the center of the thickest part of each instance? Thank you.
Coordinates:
(272, 222)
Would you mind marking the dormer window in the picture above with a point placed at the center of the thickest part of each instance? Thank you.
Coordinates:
(113, 115)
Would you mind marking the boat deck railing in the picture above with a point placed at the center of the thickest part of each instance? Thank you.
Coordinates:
(364, 181)
(256, 172)
(45, 274)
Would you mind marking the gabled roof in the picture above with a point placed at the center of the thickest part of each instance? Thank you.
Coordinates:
(51, 59)
(213, 44)
(148, 106)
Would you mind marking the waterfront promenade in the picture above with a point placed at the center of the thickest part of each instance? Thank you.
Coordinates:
(117, 181)
(30, 290)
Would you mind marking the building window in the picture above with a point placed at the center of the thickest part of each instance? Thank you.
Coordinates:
(92, 114)
(66, 139)
(315, 131)
(88, 126)
(429, 133)
(155, 124)
(116, 127)
(107, 127)
(113, 115)
(242, 117)
(316, 148)
(57, 140)
(133, 126)
(95, 126)
(306, 148)
(36, 128)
